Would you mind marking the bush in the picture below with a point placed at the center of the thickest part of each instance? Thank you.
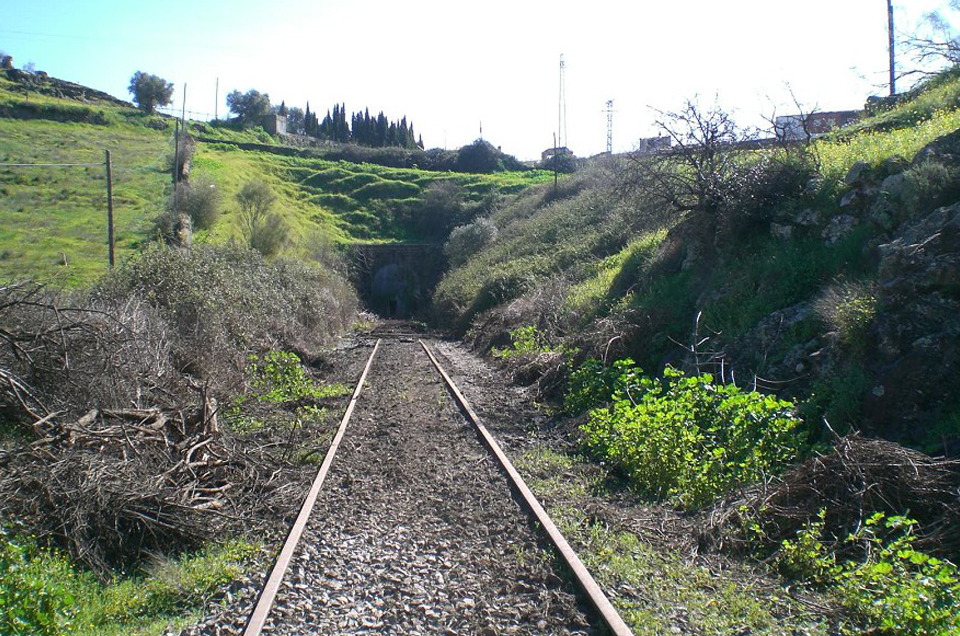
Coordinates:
(929, 185)
(262, 230)
(849, 310)
(467, 240)
(200, 199)
(221, 303)
(893, 588)
(687, 439)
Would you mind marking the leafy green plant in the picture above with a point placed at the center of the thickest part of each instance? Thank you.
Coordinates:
(892, 589)
(527, 340)
(280, 377)
(42, 594)
(688, 439)
(37, 589)
(593, 383)
(807, 558)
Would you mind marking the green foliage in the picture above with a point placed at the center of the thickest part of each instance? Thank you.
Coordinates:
(200, 199)
(279, 377)
(929, 185)
(849, 309)
(807, 558)
(150, 91)
(249, 107)
(690, 440)
(838, 397)
(525, 341)
(768, 275)
(838, 155)
(593, 384)
(262, 230)
(42, 594)
(37, 589)
(467, 240)
(893, 589)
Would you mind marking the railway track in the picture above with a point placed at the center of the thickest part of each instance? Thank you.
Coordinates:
(418, 523)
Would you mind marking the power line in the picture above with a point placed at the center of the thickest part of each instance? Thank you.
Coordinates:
(49, 165)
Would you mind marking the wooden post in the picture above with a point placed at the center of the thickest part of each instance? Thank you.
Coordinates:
(109, 209)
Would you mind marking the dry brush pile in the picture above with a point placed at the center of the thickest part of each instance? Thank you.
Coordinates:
(855, 479)
(112, 445)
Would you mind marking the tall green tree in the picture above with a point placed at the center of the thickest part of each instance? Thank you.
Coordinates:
(250, 107)
(150, 91)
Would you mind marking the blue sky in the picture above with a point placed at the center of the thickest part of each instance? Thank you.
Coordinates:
(448, 66)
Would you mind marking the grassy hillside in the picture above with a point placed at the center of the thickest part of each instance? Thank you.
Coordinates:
(611, 273)
(54, 217)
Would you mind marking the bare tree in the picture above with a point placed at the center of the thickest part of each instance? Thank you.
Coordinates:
(935, 44)
(694, 173)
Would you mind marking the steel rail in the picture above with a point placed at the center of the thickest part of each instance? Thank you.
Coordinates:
(258, 616)
(597, 598)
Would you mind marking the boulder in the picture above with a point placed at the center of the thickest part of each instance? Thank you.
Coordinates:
(838, 227)
(858, 174)
(917, 371)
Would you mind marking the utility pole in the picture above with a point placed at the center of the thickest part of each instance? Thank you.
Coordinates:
(893, 75)
(109, 209)
(562, 106)
(216, 99)
(183, 114)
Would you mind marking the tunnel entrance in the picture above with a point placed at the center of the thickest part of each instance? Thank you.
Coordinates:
(397, 280)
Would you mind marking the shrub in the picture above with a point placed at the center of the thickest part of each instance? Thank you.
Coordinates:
(893, 588)
(200, 199)
(690, 440)
(467, 240)
(849, 309)
(262, 230)
(929, 185)
(221, 303)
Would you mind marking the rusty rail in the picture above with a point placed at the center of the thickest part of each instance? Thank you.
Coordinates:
(268, 594)
(597, 598)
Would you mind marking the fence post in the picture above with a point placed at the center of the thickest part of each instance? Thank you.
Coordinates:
(109, 208)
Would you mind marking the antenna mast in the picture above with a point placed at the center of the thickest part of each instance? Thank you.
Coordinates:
(562, 107)
(610, 126)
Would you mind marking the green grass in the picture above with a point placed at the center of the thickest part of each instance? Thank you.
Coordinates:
(57, 215)
(42, 593)
(873, 146)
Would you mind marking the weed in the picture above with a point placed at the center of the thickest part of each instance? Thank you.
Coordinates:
(893, 588)
(687, 439)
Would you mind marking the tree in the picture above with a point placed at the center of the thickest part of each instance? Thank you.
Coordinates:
(696, 172)
(479, 157)
(935, 44)
(150, 91)
(250, 107)
(295, 121)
